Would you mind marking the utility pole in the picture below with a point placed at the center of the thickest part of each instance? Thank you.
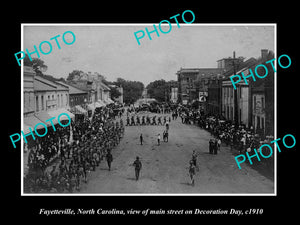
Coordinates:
(236, 116)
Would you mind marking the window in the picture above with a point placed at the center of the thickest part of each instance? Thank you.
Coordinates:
(228, 112)
(42, 102)
(240, 115)
(263, 103)
(37, 103)
(258, 122)
(28, 95)
(254, 102)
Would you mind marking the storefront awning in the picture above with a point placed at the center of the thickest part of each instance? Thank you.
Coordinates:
(43, 116)
(80, 110)
(26, 128)
(110, 101)
(98, 104)
(101, 103)
(57, 112)
(91, 106)
(105, 101)
(30, 121)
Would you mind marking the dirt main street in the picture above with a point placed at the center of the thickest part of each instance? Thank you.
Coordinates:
(165, 167)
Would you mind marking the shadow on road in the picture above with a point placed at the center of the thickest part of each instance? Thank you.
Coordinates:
(265, 166)
(185, 183)
(204, 153)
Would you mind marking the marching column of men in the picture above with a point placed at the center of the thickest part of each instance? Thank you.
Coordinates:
(93, 142)
(146, 120)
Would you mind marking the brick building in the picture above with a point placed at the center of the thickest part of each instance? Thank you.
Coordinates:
(255, 100)
(193, 84)
(262, 94)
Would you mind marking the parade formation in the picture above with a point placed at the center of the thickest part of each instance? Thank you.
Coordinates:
(186, 131)
(93, 141)
(88, 142)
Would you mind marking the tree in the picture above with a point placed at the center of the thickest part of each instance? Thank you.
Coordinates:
(161, 89)
(73, 74)
(37, 65)
(62, 80)
(132, 90)
(157, 89)
(114, 92)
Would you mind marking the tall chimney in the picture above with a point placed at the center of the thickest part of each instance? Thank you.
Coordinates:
(264, 53)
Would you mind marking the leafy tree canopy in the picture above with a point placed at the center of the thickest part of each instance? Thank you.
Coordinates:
(114, 92)
(160, 89)
(73, 74)
(157, 89)
(132, 90)
(37, 65)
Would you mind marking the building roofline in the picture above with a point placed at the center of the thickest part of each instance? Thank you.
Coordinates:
(75, 87)
(47, 82)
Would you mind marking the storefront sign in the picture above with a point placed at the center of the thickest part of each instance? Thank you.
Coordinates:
(202, 96)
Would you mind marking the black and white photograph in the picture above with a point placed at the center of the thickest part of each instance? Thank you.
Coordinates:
(148, 109)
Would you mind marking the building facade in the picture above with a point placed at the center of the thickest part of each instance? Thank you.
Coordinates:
(214, 100)
(120, 89)
(174, 94)
(255, 100)
(50, 95)
(262, 91)
(76, 95)
(96, 90)
(120, 99)
(28, 91)
(193, 84)
(240, 113)
(227, 63)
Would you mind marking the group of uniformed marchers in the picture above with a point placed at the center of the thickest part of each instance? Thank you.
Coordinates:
(93, 140)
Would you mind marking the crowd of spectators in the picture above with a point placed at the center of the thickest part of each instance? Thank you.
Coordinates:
(74, 151)
(238, 136)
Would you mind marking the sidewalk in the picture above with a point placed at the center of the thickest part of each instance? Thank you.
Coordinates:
(265, 166)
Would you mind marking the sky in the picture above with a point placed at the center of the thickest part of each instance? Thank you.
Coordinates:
(112, 50)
